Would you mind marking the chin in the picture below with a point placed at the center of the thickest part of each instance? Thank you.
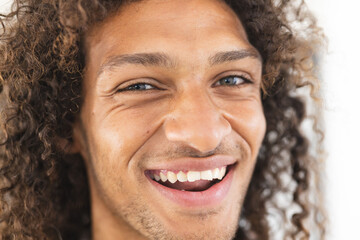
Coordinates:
(218, 224)
(212, 230)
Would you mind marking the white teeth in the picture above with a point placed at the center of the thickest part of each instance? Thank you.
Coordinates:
(222, 173)
(157, 177)
(206, 175)
(163, 177)
(171, 177)
(193, 176)
(182, 177)
(215, 173)
(190, 176)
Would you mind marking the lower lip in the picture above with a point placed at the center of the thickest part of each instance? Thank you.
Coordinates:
(209, 197)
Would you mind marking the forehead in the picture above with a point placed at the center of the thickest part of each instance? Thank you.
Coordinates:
(169, 12)
(158, 24)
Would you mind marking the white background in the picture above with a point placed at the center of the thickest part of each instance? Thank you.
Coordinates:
(341, 88)
(341, 82)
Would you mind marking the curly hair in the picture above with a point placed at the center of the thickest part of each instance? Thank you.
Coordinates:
(44, 191)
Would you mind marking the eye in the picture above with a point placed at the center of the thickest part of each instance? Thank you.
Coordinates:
(137, 87)
(232, 81)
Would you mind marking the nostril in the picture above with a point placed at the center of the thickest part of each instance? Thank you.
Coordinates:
(200, 133)
(199, 124)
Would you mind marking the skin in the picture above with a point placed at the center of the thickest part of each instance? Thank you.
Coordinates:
(185, 112)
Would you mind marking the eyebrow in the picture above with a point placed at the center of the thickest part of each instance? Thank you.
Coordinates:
(228, 56)
(164, 60)
(145, 59)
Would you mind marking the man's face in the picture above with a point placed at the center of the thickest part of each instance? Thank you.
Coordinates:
(171, 91)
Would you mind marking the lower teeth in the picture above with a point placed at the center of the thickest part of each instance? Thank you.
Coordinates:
(179, 186)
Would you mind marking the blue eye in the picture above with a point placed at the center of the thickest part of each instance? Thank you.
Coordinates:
(232, 81)
(137, 87)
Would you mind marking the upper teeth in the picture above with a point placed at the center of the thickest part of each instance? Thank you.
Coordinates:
(190, 176)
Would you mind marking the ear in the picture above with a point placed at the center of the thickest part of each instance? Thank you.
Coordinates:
(74, 146)
(67, 147)
(78, 142)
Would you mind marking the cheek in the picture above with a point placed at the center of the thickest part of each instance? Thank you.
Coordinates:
(247, 119)
(122, 133)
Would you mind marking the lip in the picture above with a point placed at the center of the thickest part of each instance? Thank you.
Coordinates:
(195, 164)
(209, 197)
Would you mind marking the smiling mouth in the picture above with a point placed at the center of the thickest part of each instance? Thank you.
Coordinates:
(191, 181)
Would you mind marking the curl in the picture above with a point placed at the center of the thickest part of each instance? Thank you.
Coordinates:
(44, 191)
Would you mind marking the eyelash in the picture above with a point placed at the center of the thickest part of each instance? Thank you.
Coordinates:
(242, 77)
(135, 86)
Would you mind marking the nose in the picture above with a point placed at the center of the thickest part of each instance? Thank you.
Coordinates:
(196, 122)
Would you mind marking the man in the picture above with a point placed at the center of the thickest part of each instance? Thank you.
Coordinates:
(180, 113)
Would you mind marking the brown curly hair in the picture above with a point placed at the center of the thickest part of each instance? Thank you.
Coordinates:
(44, 191)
